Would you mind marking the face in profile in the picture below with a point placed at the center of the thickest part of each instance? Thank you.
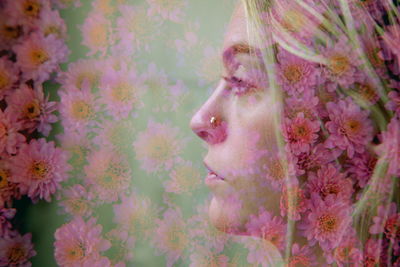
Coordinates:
(237, 123)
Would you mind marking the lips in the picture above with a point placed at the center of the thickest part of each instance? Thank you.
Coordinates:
(212, 177)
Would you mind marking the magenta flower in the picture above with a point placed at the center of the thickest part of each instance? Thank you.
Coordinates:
(9, 75)
(16, 250)
(39, 168)
(349, 127)
(387, 221)
(38, 56)
(76, 201)
(300, 133)
(326, 221)
(170, 236)
(108, 173)
(5, 225)
(302, 256)
(318, 156)
(268, 227)
(157, 147)
(78, 108)
(306, 103)
(296, 75)
(329, 181)
(347, 253)
(394, 102)
(33, 109)
(361, 168)
(10, 138)
(27, 12)
(8, 190)
(292, 202)
(120, 91)
(389, 149)
(79, 243)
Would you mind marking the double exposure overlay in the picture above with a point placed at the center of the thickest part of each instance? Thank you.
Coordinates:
(199, 133)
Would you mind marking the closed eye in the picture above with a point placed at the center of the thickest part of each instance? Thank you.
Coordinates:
(239, 86)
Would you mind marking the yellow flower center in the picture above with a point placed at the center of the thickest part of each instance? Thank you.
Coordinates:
(327, 223)
(39, 56)
(91, 76)
(52, 29)
(39, 170)
(4, 174)
(4, 80)
(293, 73)
(31, 8)
(10, 32)
(31, 110)
(16, 254)
(160, 148)
(98, 35)
(78, 206)
(367, 92)
(76, 253)
(276, 170)
(339, 64)
(352, 126)
(123, 92)
(81, 110)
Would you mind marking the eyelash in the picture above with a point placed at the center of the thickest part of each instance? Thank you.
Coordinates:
(242, 87)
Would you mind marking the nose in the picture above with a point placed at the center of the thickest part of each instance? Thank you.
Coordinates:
(209, 122)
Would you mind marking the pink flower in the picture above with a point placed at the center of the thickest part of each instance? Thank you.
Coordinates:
(79, 243)
(13, 32)
(76, 201)
(9, 75)
(279, 169)
(120, 91)
(373, 253)
(389, 149)
(184, 178)
(349, 127)
(347, 252)
(82, 70)
(52, 23)
(33, 109)
(96, 33)
(108, 173)
(5, 225)
(292, 202)
(10, 138)
(306, 103)
(387, 221)
(296, 75)
(157, 147)
(8, 190)
(361, 168)
(318, 156)
(78, 108)
(39, 168)
(170, 236)
(300, 133)
(326, 221)
(167, 9)
(302, 256)
(123, 244)
(16, 250)
(38, 56)
(268, 227)
(27, 12)
(342, 66)
(115, 134)
(329, 181)
(394, 102)
(78, 146)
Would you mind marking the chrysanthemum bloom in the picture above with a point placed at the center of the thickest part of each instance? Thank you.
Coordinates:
(39, 168)
(76, 201)
(292, 202)
(79, 243)
(389, 149)
(38, 56)
(306, 104)
(108, 173)
(349, 127)
(123, 246)
(387, 221)
(184, 178)
(8, 76)
(170, 236)
(373, 253)
(16, 250)
(361, 168)
(367, 92)
(8, 190)
(329, 181)
(342, 67)
(347, 253)
(80, 71)
(5, 225)
(296, 75)
(116, 134)
(52, 23)
(169, 9)
(33, 109)
(326, 221)
(10, 31)
(78, 108)
(302, 256)
(78, 146)
(27, 12)
(96, 33)
(300, 133)
(120, 92)
(269, 227)
(157, 147)
(278, 170)
(318, 156)
(204, 256)
(10, 138)
(394, 102)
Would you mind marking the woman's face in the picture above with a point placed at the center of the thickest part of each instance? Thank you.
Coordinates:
(236, 122)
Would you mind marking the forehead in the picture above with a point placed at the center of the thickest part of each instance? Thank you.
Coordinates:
(237, 29)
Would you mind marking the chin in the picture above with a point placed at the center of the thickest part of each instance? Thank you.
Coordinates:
(226, 216)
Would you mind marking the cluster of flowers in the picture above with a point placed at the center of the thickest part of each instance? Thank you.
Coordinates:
(328, 130)
(31, 48)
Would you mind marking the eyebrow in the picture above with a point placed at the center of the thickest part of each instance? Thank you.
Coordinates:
(229, 55)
